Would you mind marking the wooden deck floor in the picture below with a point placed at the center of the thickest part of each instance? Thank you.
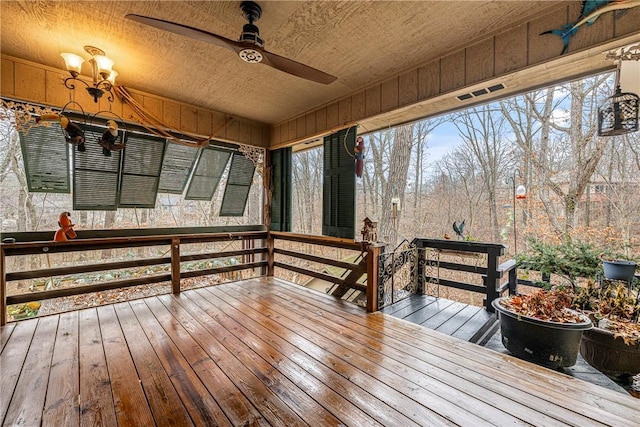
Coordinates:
(464, 321)
(264, 352)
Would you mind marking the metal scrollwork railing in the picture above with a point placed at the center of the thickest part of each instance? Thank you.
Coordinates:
(398, 274)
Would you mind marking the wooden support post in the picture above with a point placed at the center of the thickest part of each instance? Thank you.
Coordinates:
(270, 255)
(373, 253)
(491, 281)
(3, 290)
(175, 265)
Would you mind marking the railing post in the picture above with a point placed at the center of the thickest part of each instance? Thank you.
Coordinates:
(270, 255)
(491, 280)
(373, 255)
(513, 280)
(175, 265)
(3, 289)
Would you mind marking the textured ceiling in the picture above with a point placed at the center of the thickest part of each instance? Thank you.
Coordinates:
(360, 42)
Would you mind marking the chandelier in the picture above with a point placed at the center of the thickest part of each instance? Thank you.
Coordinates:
(103, 75)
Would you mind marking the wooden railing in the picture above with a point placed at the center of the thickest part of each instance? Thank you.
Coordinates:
(260, 249)
(172, 241)
(491, 271)
(351, 273)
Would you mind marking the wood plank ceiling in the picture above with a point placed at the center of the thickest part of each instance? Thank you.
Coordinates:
(360, 42)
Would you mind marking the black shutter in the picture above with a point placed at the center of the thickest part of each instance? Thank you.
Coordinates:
(281, 190)
(239, 181)
(339, 187)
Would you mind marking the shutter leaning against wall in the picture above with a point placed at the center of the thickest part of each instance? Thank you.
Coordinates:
(339, 187)
(281, 189)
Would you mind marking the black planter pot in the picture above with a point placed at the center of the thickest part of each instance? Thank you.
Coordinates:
(550, 344)
(618, 269)
(608, 354)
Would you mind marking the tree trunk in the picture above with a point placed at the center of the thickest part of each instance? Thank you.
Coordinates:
(396, 183)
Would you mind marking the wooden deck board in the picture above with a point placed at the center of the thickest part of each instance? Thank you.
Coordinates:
(427, 312)
(12, 359)
(451, 325)
(96, 400)
(266, 352)
(506, 371)
(129, 397)
(31, 387)
(61, 406)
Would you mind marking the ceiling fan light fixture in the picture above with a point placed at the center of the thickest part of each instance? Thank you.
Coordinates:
(251, 56)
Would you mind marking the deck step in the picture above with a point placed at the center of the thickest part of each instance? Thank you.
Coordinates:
(487, 331)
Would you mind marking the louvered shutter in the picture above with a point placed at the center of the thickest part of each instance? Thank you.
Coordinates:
(141, 171)
(95, 176)
(46, 159)
(281, 189)
(177, 165)
(206, 177)
(236, 192)
(338, 196)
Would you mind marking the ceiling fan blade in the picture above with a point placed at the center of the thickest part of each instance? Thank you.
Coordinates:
(296, 68)
(187, 31)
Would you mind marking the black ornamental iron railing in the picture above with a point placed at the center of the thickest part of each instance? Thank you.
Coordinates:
(425, 265)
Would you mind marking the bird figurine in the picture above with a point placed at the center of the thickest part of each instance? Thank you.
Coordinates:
(108, 139)
(459, 228)
(65, 232)
(73, 134)
(359, 151)
(591, 10)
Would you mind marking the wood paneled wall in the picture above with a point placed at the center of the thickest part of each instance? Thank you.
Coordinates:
(29, 82)
(515, 51)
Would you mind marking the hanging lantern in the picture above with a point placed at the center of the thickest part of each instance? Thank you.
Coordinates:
(619, 115)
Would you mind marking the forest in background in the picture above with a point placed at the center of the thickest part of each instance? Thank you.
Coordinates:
(580, 186)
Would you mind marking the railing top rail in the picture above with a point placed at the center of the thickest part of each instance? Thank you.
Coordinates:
(25, 248)
(459, 245)
(334, 242)
(37, 236)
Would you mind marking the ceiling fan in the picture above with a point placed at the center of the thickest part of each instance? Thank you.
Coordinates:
(250, 46)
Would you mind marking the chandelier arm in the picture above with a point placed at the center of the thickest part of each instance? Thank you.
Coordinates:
(68, 82)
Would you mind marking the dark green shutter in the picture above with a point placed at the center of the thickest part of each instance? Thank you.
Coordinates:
(339, 187)
(209, 170)
(177, 166)
(281, 190)
(141, 171)
(239, 181)
(96, 178)
(46, 159)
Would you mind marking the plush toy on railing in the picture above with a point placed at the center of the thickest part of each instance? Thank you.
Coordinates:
(108, 139)
(65, 232)
(73, 134)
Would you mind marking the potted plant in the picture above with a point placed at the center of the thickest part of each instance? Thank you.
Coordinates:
(541, 327)
(613, 346)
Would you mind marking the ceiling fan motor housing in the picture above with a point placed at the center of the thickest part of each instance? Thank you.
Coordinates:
(251, 34)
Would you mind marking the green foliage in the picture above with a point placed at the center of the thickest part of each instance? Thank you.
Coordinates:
(569, 259)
